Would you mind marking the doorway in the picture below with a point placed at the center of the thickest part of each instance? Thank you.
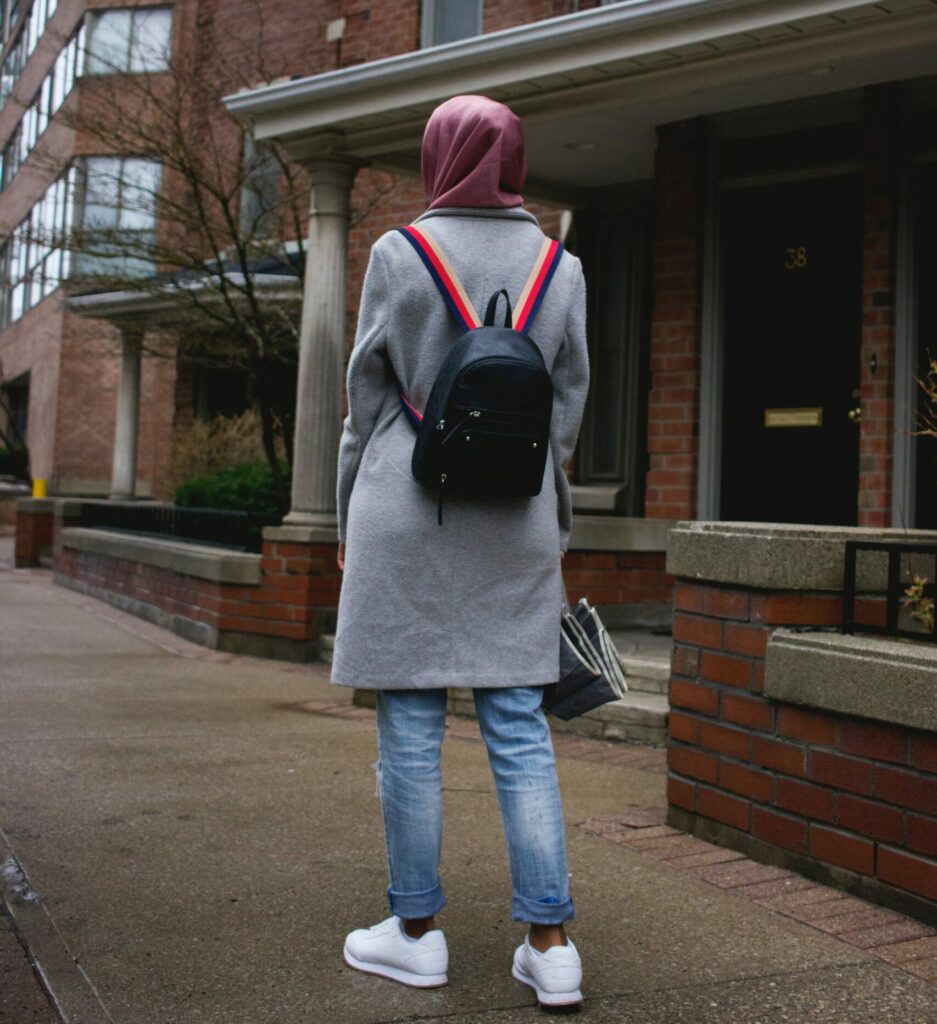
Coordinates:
(792, 334)
(926, 268)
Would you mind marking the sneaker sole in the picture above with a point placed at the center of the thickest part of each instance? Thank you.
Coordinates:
(553, 1000)
(396, 973)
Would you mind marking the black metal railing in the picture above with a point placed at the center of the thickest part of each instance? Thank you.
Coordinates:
(904, 563)
(241, 531)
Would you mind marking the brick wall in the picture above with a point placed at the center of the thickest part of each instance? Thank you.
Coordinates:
(829, 789)
(617, 577)
(34, 530)
(294, 602)
(882, 118)
(673, 401)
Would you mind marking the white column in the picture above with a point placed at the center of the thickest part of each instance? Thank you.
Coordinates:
(321, 347)
(124, 475)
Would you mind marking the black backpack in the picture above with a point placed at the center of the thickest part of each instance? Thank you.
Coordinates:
(486, 426)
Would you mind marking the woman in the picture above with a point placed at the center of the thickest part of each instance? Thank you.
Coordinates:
(474, 602)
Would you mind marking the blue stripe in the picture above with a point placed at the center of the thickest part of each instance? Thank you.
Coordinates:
(440, 284)
(548, 277)
(410, 414)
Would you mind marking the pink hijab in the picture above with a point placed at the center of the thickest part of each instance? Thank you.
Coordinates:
(473, 154)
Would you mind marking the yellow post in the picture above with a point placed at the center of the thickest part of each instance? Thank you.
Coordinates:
(40, 487)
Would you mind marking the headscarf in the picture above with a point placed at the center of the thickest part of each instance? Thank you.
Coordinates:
(473, 154)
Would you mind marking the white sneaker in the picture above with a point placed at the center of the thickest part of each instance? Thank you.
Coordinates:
(388, 951)
(556, 976)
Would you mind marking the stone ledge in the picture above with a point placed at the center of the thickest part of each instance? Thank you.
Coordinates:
(619, 533)
(202, 562)
(774, 556)
(35, 505)
(890, 681)
(301, 534)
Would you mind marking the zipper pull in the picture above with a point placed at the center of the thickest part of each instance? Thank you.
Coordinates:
(442, 481)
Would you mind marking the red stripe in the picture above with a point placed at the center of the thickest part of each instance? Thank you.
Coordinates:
(410, 405)
(522, 319)
(446, 279)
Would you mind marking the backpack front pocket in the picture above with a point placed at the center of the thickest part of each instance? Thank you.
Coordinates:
(494, 463)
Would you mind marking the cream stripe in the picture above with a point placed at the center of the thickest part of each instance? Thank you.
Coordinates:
(534, 274)
(441, 256)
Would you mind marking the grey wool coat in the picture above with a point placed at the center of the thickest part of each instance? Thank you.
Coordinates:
(477, 601)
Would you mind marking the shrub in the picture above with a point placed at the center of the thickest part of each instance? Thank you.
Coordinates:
(207, 446)
(247, 487)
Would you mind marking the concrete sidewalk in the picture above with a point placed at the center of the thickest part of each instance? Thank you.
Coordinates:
(189, 835)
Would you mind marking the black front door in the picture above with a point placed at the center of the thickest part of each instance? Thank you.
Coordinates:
(793, 321)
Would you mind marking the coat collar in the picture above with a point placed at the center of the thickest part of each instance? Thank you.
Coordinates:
(508, 213)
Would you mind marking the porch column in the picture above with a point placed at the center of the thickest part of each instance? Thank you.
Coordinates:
(124, 474)
(321, 347)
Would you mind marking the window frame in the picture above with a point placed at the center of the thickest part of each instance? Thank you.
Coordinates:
(122, 262)
(429, 20)
(95, 64)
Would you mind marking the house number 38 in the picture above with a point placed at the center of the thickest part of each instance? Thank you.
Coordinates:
(796, 258)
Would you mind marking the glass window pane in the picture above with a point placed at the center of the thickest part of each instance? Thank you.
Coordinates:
(109, 42)
(454, 19)
(138, 194)
(102, 183)
(152, 30)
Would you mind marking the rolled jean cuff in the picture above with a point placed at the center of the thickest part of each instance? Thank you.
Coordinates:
(541, 911)
(412, 905)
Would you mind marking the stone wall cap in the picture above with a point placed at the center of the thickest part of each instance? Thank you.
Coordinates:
(619, 533)
(301, 534)
(31, 504)
(872, 677)
(778, 556)
(220, 565)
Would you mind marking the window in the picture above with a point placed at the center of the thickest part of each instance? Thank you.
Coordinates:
(260, 193)
(117, 219)
(613, 245)
(11, 12)
(27, 38)
(56, 86)
(35, 260)
(445, 21)
(14, 402)
(135, 40)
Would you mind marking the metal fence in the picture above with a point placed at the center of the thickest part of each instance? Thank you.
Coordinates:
(241, 531)
(907, 567)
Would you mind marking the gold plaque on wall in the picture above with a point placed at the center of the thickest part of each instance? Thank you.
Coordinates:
(794, 417)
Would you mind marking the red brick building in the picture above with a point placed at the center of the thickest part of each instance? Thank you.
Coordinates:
(749, 185)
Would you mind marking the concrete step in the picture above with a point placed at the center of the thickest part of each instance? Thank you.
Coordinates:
(639, 717)
(645, 657)
(636, 718)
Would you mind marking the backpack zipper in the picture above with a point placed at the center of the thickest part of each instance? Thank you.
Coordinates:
(442, 481)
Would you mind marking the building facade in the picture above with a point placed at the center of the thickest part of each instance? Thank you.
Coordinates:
(749, 185)
(750, 189)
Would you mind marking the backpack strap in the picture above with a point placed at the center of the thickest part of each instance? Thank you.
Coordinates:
(449, 285)
(460, 305)
(528, 305)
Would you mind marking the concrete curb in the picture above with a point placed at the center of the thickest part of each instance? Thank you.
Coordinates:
(68, 987)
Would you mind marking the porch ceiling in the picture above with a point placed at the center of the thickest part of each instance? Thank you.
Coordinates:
(592, 86)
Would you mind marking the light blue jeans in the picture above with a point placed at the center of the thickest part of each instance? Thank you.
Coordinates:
(410, 728)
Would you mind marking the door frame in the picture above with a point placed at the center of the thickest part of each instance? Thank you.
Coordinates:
(712, 312)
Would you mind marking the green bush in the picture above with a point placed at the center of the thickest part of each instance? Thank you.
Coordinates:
(247, 487)
(14, 462)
